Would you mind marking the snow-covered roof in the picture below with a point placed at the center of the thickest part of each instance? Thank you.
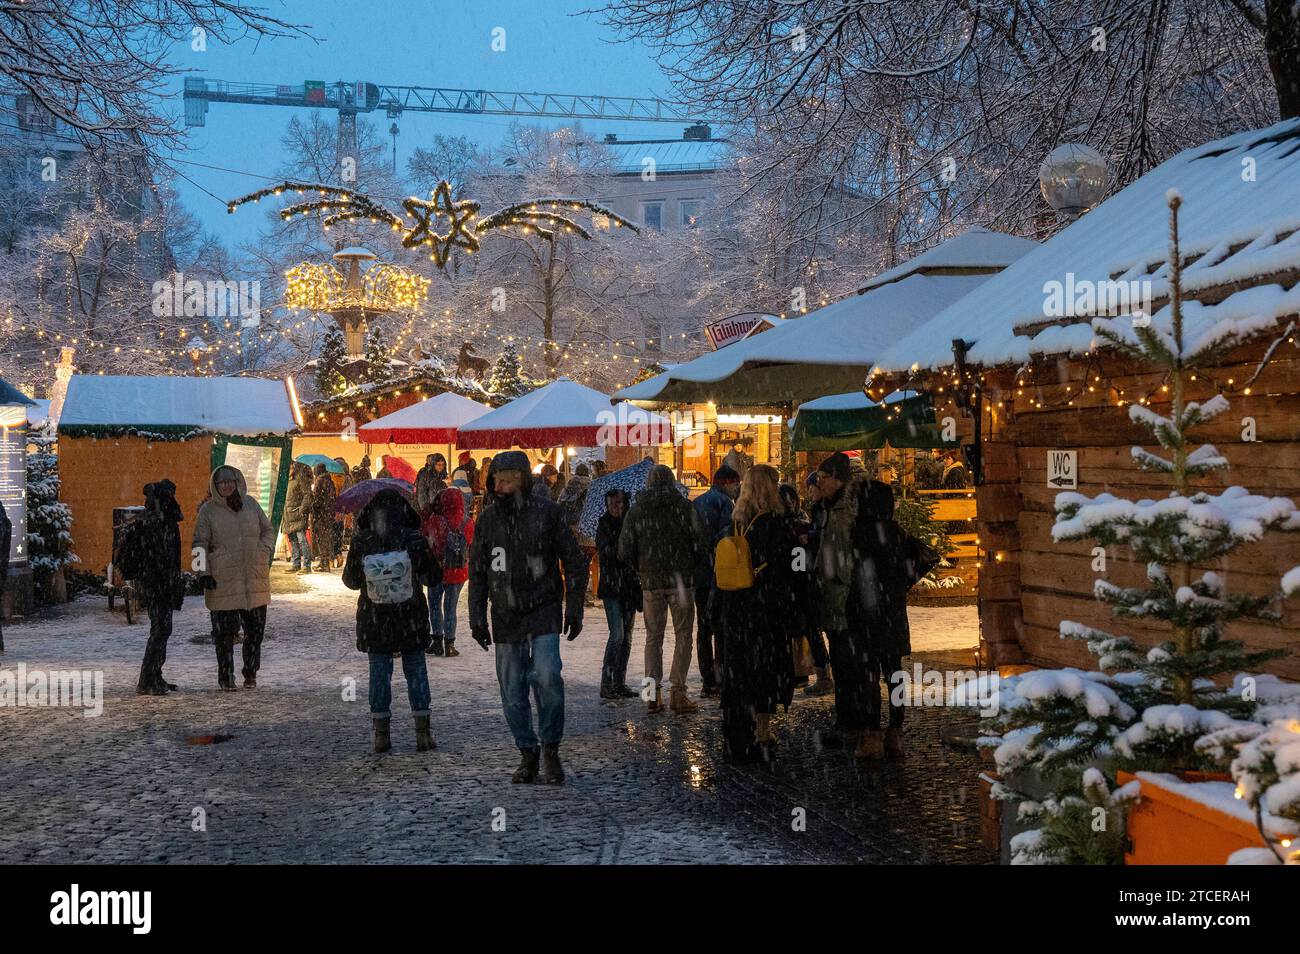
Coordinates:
(432, 421)
(841, 339)
(244, 407)
(852, 401)
(684, 156)
(563, 412)
(976, 248)
(1238, 223)
(11, 395)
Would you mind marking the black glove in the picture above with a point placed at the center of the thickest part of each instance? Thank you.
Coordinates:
(572, 627)
(482, 637)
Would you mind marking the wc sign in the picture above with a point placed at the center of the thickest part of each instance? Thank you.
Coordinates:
(1063, 469)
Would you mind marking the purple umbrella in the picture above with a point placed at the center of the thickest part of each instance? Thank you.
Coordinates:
(358, 495)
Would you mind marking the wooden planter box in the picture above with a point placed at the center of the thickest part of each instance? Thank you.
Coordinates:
(1192, 820)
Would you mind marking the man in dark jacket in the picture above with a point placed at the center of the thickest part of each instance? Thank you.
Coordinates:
(297, 514)
(713, 508)
(390, 562)
(521, 544)
(429, 482)
(6, 540)
(620, 591)
(151, 557)
(663, 541)
(891, 561)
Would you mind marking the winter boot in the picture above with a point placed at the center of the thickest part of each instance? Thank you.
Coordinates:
(681, 703)
(451, 650)
(871, 745)
(656, 704)
(625, 692)
(607, 693)
(894, 743)
(250, 682)
(824, 686)
(552, 770)
(436, 647)
(527, 771)
(383, 740)
(423, 736)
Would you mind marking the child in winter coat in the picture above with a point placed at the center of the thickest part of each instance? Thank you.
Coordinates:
(449, 531)
(389, 562)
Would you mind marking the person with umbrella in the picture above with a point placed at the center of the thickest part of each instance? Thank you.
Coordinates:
(323, 496)
(527, 565)
(390, 562)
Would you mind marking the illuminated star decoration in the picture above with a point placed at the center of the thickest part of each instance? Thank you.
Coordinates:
(543, 217)
(460, 213)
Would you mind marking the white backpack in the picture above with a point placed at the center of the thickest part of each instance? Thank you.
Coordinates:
(388, 577)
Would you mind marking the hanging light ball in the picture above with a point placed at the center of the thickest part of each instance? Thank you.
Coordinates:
(1073, 178)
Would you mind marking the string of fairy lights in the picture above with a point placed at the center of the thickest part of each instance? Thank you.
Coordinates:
(1036, 381)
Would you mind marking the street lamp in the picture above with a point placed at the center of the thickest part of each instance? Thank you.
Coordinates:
(1073, 179)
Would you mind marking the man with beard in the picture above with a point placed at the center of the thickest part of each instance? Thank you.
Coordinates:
(525, 561)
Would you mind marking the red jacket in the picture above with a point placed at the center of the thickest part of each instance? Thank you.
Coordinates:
(449, 512)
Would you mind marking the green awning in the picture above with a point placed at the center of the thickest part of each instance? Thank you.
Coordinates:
(904, 423)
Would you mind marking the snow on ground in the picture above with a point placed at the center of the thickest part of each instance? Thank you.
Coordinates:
(299, 783)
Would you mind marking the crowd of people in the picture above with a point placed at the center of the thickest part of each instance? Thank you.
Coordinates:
(752, 574)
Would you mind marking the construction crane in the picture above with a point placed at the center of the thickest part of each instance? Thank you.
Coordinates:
(349, 99)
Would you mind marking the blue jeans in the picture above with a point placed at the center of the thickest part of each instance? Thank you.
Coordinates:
(613, 672)
(381, 683)
(442, 609)
(533, 664)
(300, 548)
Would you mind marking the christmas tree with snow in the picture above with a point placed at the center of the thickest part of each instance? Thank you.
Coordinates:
(507, 377)
(1163, 710)
(379, 364)
(329, 366)
(49, 520)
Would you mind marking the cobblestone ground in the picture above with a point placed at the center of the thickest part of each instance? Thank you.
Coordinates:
(298, 783)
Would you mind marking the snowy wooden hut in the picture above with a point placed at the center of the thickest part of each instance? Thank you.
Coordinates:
(118, 433)
(1044, 406)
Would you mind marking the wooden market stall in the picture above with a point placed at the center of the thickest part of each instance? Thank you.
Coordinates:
(746, 392)
(1042, 406)
(118, 433)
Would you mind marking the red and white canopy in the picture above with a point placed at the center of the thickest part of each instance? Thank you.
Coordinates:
(565, 412)
(433, 421)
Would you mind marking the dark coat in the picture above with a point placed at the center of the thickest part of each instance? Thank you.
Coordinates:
(662, 538)
(430, 482)
(324, 496)
(520, 545)
(386, 524)
(6, 541)
(297, 501)
(618, 580)
(758, 667)
(890, 562)
(713, 508)
(161, 585)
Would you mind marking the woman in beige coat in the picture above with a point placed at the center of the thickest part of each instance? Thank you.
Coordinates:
(234, 540)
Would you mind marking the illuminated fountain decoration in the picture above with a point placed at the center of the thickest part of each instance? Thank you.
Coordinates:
(351, 296)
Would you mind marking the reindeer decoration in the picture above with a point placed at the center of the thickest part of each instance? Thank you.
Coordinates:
(470, 365)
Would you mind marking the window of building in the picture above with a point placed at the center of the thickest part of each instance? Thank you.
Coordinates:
(652, 215)
(688, 211)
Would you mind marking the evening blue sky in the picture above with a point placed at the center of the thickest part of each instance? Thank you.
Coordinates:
(550, 47)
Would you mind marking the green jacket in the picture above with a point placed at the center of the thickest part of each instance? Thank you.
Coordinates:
(662, 539)
(835, 559)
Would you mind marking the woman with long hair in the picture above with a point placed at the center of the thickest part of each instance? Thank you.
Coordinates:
(757, 668)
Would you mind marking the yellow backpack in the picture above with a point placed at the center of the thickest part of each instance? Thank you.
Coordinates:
(732, 565)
